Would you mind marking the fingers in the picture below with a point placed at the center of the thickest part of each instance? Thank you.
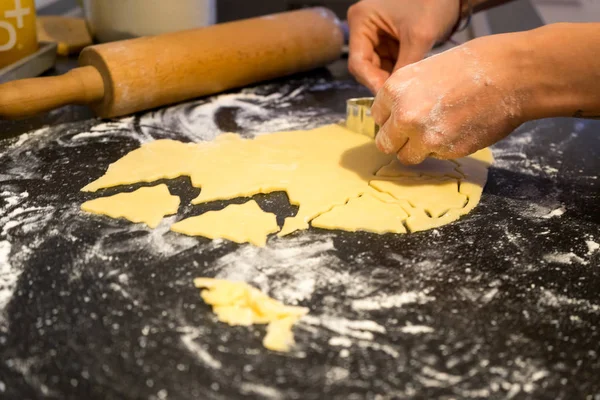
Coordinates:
(364, 62)
(411, 154)
(378, 80)
(366, 73)
(361, 62)
(393, 138)
(387, 141)
(382, 107)
(390, 137)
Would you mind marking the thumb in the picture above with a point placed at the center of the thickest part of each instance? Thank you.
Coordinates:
(411, 52)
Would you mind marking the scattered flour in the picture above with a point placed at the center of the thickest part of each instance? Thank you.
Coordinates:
(347, 342)
(340, 341)
(263, 391)
(416, 329)
(294, 269)
(159, 241)
(22, 139)
(25, 368)
(542, 210)
(359, 329)
(551, 299)
(564, 258)
(336, 374)
(189, 334)
(435, 377)
(261, 109)
(592, 246)
(8, 275)
(121, 126)
(391, 301)
(30, 219)
(511, 153)
(11, 199)
(289, 270)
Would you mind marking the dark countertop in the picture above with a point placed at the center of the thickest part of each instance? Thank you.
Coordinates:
(501, 304)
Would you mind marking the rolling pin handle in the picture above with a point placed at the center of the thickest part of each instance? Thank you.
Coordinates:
(27, 97)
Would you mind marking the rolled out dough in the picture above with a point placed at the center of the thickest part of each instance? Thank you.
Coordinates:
(338, 179)
(239, 223)
(237, 303)
(435, 196)
(430, 167)
(384, 217)
(148, 205)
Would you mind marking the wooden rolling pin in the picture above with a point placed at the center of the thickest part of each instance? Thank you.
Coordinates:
(124, 77)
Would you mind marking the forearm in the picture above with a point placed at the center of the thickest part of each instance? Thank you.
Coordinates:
(560, 71)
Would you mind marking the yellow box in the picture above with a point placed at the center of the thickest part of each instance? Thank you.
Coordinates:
(17, 30)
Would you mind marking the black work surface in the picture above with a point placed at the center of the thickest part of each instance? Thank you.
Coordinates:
(501, 304)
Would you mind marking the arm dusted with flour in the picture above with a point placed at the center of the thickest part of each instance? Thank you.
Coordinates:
(465, 99)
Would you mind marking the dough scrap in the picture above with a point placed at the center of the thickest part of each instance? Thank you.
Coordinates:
(239, 223)
(237, 303)
(324, 171)
(148, 205)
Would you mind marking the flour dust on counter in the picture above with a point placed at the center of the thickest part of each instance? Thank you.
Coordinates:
(8, 276)
(474, 309)
(592, 246)
(262, 109)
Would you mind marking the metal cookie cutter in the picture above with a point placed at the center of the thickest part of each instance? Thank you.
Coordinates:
(358, 116)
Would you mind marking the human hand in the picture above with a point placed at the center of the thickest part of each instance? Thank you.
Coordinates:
(386, 35)
(455, 103)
